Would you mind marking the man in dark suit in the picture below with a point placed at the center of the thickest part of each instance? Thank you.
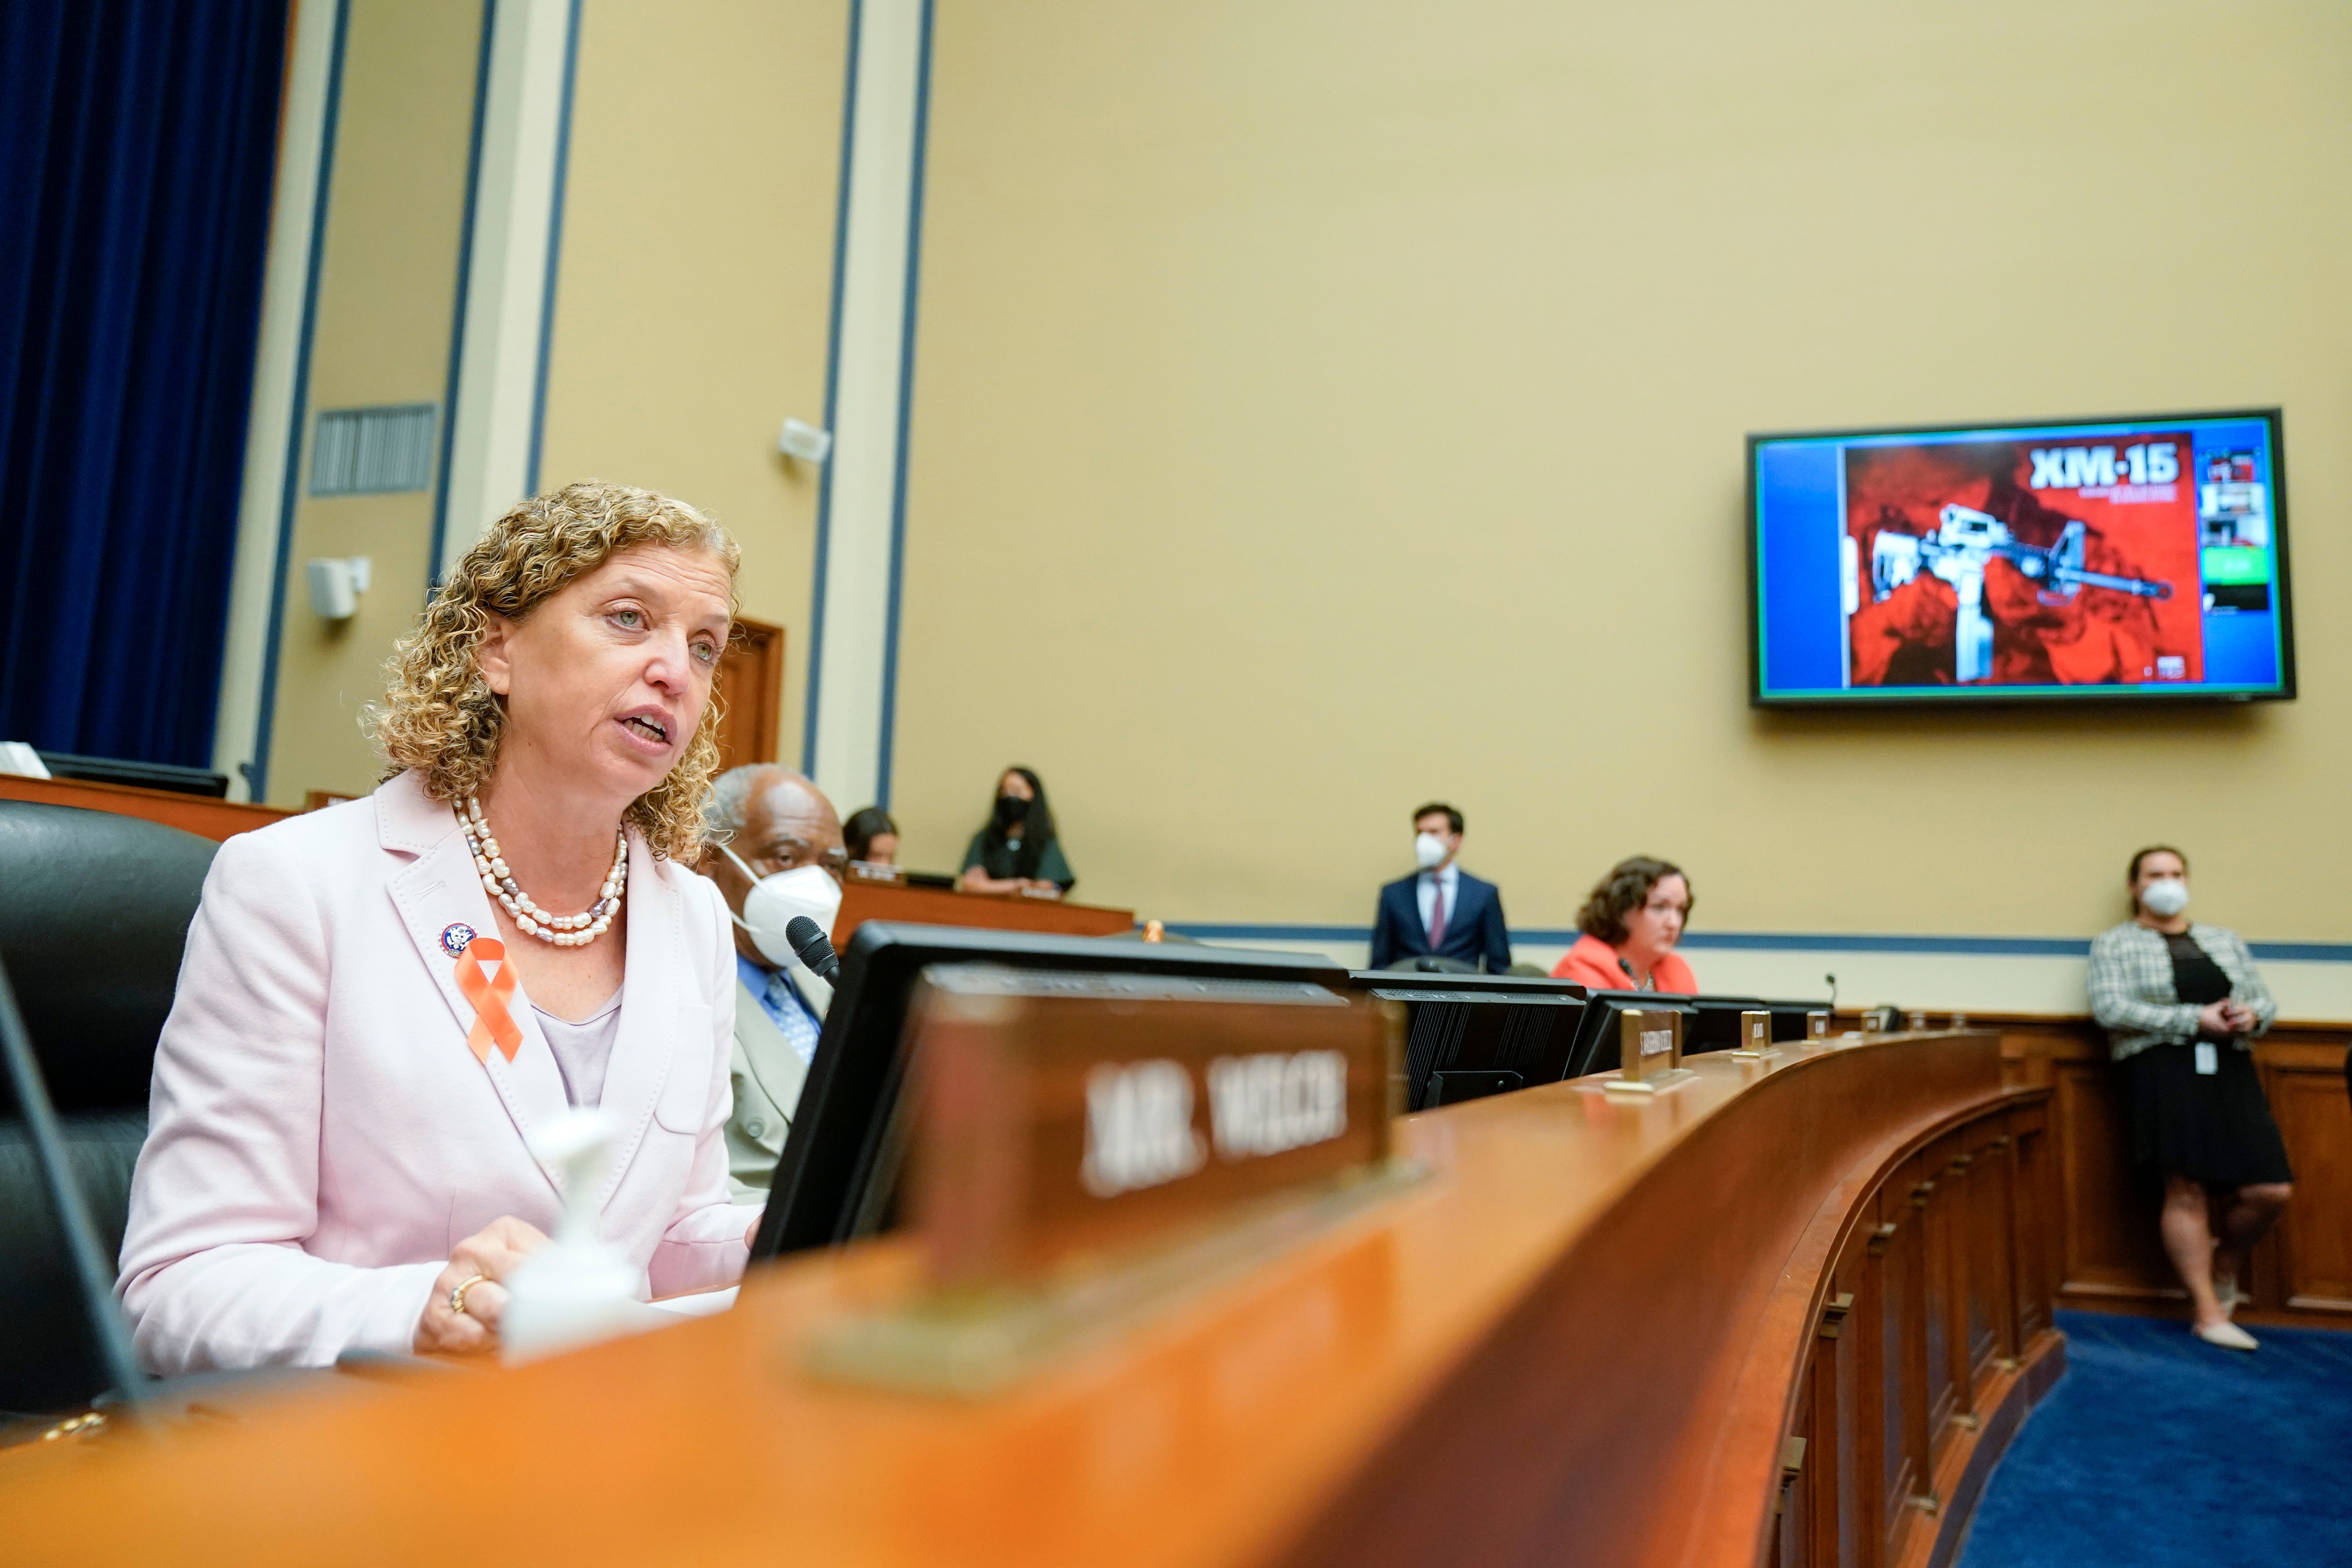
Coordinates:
(1441, 910)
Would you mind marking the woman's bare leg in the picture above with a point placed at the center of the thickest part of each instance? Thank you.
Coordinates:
(2188, 1236)
(2229, 1263)
(2243, 1217)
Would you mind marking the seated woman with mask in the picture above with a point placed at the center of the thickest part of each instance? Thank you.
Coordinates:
(1018, 848)
(338, 1157)
(1631, 921)
(2181, 1003)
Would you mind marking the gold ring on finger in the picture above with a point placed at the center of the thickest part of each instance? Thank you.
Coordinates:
(457, 1296)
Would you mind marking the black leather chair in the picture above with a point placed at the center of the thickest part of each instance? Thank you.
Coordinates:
(94, 911)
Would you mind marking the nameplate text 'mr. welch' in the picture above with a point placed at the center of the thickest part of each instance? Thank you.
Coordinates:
(1075, 1117)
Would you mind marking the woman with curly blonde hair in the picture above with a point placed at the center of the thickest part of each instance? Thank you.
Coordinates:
(383, 1002)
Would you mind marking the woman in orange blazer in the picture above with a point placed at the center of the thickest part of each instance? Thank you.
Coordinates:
(1631, 923)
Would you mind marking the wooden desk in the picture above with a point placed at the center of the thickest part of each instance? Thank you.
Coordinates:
(863, 902)
(196, 814)
(2110, 1257)
(1584, 1338)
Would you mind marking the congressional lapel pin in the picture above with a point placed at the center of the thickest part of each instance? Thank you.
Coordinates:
(454, 936)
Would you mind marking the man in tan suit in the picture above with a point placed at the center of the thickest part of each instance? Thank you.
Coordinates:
(774, 820)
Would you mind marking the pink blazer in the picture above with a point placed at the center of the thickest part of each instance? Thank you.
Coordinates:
(319, 1136)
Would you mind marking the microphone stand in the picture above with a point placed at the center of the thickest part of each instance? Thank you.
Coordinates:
(97, 1280)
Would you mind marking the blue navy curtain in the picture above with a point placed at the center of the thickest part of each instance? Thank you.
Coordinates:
(138, 147)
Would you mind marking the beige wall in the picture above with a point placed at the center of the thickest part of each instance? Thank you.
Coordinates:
(387, 288)
(691, 307)
(1322, 406)
(697, 271)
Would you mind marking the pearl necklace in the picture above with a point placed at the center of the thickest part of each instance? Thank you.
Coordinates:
(561, 930)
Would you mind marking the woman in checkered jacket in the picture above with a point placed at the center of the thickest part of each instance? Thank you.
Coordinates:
(2182, 1003)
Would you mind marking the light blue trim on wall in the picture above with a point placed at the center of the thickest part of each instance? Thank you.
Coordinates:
(554, 249)
(256, 772)
(906, 414)
(457, 311)
(1947, 946)
(1786, 941)
(1270, 933)
(831, 394)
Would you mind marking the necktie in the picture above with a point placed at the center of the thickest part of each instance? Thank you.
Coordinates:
(791, 1019)
(1436, 912)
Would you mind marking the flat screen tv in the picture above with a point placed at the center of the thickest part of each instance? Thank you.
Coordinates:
(2128, 559)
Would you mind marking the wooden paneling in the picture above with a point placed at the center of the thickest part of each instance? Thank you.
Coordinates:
(2312, 1269)
(196, 814)
(1923, 1358)
(1837, 1481)
(2110, 1216)
(2110, 1257)
(863, 902)
(1589, 1336)
(2035, 1244)
(1933, 1200)
(750, 691)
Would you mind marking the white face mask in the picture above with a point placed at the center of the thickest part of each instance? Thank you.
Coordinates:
(774, 901)
(1429, 849)
(2165, 897)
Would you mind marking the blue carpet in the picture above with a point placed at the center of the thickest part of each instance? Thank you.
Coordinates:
(2156, 1450)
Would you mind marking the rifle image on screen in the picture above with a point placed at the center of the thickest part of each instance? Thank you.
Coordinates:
(1959, 552)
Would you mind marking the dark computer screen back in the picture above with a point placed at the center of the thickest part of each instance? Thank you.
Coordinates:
(1522, 1025)
(1788, 1018)
(837, 1161)
(1599, 1037)
(1713, 1023)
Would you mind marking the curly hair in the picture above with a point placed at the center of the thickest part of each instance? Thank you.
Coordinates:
(1625, 888)
(439, 716)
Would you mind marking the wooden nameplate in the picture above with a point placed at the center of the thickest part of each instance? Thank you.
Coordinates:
(1089, 1146)
(1651, 1046)
(1755, 1036)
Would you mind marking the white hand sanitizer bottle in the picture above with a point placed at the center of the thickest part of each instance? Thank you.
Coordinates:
(580, 1288)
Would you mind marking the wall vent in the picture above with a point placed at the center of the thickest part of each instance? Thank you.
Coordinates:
(373, 451)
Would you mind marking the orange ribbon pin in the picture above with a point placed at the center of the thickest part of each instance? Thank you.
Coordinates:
(493, 1024)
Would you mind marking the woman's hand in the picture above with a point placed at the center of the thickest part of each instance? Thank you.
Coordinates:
(2218, 1019)
(492, 1252)
(2242, 1019)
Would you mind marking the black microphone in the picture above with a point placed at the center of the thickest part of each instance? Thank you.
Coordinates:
(808, 941)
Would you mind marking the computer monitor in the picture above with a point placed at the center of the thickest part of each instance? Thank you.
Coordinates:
(1713, 1023)
(1469, 1036)
(1788, 1018)
(2102, 560)
(1599, 1035)
(838, 1175)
